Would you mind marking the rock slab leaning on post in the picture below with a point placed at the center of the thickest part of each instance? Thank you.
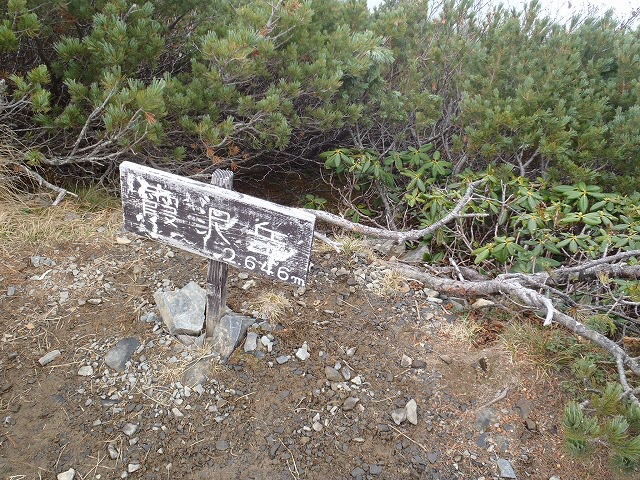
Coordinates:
(228, 334)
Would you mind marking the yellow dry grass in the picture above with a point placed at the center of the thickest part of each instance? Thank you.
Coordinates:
(390, 284)
(272, 304)
(27, 220)
(463, 330)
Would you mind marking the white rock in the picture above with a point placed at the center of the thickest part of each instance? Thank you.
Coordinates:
(133, 467)
(357, 380)
(177, 413)
(303, 352)
(399, 415)
(85, 371)
(482, 303)
(68, 475)
(49, 357)
(412, 411)
(406, 361)
(129, 429)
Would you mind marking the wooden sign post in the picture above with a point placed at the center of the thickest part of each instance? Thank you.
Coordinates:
(215, 222)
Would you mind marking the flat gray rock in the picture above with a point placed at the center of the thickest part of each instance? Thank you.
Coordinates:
(183, 310)
(228, 334)
(350, 403)
(399, 415)
(332, 374)
(49, 357)
(129, 429)
(506, 470)
(197, 373)
(282, 359)
(121, 353)
(251, 342)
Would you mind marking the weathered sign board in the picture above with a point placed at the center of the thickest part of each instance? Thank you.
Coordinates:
(226, 226)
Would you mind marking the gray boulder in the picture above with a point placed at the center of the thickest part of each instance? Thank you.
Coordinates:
(228, 334)
(183, 310)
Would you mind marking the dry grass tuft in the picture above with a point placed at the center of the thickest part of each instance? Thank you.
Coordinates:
(27, 220)
(390, 284)
(169, 372)
(273, 305)
(463, 330)
(352, 247)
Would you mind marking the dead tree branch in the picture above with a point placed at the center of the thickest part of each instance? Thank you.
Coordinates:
(513, 286)
(400, 236)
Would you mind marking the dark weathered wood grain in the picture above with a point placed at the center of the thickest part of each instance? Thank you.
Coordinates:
(243, 231)
(217, 274)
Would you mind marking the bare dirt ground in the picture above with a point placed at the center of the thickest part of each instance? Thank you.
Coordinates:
(478, 407)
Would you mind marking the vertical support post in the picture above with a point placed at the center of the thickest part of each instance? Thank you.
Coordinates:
(217, 274)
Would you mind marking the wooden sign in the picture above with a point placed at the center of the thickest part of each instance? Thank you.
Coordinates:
(226, 226)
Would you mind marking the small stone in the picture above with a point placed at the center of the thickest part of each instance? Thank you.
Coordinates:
(49, 357)
(506, 470)
(222, 445)
(112, 451)
(375, 469)
(177, 413)
(11, 291)
(530, 425)
(399, 415)
(332, 374)
(357, 472)
(94, 301)
(357, 380)
(418, 364)
(121, 353)
(68, 475)
(149, 317)
(133, 467)
(346, 372)
(412, 412)
(122, 241)
(482, 303)
(317, 426)
(251, 342)
(524, 407)
(199, 389)
(303, 352)
(130, 429)
(350, 403)
(433, 457)
(351, 351)
(446, 359)
(282, 359)
(85, 371)
(554, 478)
(406, 361)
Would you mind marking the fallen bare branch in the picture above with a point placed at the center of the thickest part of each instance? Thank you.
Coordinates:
(43, 183)
(400, 236)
